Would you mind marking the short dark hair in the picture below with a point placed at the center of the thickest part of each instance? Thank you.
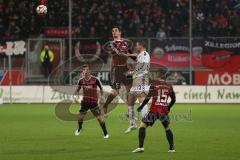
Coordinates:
(142, 43)
(118, 27)
(85, 66)
(162, 72)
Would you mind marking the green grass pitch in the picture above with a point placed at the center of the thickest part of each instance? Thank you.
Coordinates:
(32, 132)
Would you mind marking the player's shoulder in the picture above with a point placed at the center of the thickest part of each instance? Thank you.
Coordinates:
(80, 80)
(163, 83)
(124, 40)
(95, 78)
(120, 40)
(169, 84)
(145, 55)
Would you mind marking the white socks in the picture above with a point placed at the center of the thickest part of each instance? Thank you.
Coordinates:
(132, 117)
(144, 111)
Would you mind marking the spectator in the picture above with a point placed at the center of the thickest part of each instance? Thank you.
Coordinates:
(47, 57)
(160, 34)
(137, 18)
(14, 30)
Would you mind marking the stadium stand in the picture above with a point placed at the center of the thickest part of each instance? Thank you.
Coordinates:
(139, 18)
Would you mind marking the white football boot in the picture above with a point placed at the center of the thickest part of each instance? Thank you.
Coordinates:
(130, 129)
(106, 137)
(77, 132)
(138, 150)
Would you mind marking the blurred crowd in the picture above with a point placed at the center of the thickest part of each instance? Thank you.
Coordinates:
(137, 18)
(217, 18)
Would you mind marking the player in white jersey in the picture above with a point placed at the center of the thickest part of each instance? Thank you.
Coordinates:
(140, 86)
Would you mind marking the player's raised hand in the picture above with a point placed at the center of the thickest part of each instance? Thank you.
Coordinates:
(130, 75)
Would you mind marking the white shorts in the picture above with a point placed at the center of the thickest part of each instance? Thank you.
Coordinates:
(140, 85)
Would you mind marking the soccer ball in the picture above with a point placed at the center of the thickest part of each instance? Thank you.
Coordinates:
(41, 10)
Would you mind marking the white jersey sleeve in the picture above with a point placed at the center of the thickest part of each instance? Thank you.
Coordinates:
(143, 64)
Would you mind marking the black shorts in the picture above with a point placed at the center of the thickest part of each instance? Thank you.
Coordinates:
(94, 108)
(151, 117)
(118, 77)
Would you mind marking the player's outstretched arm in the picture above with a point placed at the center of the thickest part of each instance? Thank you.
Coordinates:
(101, 95)
(130, 54)
(173, 100)
(76, 93)
(99, 84)
(146, 100)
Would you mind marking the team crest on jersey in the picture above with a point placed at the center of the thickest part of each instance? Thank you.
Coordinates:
(122, 45)
(87, 87)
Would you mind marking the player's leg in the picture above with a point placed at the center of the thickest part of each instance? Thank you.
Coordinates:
(169, 134)
(131, 112)
(110, 98)
(142, 134)
(141, 98)
(82, 113)
(126, 81)
(128, 86)
(148, 120)
(115, 84)
(141, 138)
(97, 113)
(80, 122)
(103, 126)
(143, 84)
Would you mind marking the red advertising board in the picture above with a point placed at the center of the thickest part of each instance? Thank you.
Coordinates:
(219, 54)
(217, 78)
(58, 31)
(175, 52)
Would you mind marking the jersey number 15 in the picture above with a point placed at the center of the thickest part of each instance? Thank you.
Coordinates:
(162, 97)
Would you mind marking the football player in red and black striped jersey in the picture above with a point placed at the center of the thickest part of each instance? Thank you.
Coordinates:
(89, 85)
(159, 91)
(120, 52)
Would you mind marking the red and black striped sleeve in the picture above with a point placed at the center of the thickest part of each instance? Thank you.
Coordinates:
(79, 85)
(99, 84)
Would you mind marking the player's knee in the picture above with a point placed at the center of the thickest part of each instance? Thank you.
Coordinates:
(114, 92)
(141, 97)
(80, 119)
(167, 129)
(130, 103)
(166, 125)
(140, 100)
(143, 125)
(128, 88)
(130, 100)
(99, 119)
